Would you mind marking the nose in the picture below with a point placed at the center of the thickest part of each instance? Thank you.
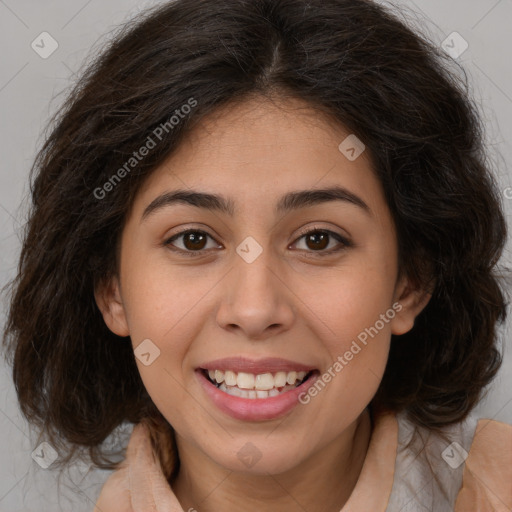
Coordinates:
(256, 300)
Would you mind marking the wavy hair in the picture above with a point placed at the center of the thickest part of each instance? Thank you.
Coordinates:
(353, 61)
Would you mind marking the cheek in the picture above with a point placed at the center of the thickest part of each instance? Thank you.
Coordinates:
(161, 299)
(349, 300)
(353, 309)
(166, 305)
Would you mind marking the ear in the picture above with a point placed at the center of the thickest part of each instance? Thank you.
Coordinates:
(108, 298)
(412, 301)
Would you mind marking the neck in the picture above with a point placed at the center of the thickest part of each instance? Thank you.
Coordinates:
(322, 483)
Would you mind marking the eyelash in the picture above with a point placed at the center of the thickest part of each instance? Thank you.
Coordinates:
(345, 243)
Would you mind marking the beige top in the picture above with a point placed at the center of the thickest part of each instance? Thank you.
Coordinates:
(471, 471)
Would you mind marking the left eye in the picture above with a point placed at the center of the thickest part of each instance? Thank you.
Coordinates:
(319, 240)
(194, 241)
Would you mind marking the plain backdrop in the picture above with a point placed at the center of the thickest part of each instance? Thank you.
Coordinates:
(31, 89)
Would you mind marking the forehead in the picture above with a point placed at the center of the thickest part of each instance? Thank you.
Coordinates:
(256, 151)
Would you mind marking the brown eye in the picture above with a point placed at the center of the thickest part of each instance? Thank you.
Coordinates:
(318, 240)
(194, 241)
(191, 241)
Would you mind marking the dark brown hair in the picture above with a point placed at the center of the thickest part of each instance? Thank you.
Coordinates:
(351, 60)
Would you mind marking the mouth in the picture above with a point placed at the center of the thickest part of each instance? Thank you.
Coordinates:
(252, 390)
(256, 386)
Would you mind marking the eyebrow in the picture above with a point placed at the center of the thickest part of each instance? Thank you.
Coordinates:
(289, 202)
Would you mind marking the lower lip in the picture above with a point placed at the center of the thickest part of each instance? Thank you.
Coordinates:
(254, 409)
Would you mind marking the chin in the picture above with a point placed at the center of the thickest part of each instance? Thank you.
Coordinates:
(252, 458)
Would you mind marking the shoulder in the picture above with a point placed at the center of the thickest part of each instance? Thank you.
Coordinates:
(463, 463)
(487, 476)
(115, 495)
(492, 441)
(139, 482)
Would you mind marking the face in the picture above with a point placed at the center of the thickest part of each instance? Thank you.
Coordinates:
(270, 289)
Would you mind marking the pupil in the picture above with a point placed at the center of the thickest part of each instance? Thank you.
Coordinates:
(319, 237)
(194, 241)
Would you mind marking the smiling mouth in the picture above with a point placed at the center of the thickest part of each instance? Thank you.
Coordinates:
(256, 386)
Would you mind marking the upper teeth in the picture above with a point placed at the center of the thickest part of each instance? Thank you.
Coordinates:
(262, 381)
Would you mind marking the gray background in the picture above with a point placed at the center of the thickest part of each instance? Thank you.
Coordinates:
(31, 88)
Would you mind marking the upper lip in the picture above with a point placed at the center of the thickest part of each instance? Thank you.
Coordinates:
(256, 366)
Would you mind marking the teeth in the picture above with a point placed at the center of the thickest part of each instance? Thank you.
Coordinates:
(250, 385)
(230, 378)
(290, 378)
(280, 379)
(251, 393)
(245, 380)
(264, 382)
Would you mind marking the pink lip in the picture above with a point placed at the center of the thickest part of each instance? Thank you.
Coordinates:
(258, 409)
(256, 366)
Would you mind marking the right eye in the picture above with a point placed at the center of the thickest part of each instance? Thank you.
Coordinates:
(193, 241)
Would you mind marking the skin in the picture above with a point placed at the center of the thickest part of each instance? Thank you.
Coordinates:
(288, 303)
